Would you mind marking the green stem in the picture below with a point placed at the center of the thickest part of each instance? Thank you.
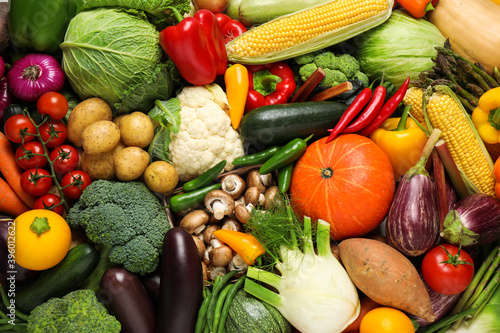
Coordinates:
(178, 16)
(447, 321)
(94, 280)
(262, 293)
(264, 276)
(323, 239)
(487, 299)
(483, 283)
(404, 117)
(308, 243)
(496, 116)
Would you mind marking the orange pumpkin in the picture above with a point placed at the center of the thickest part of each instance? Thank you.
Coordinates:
(348, 182)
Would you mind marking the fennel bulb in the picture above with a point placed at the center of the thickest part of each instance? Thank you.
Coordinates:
(315, 292)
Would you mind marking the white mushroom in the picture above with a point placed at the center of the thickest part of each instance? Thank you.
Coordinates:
(214, 271)
(232, 223)
(221, 254)
(219, 203)
(233, 184)
(200, 245)
(238, 264)
(195, 221)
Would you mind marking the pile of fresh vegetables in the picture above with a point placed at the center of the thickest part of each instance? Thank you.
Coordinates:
(250, 166)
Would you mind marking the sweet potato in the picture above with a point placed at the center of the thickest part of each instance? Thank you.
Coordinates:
(386, 276)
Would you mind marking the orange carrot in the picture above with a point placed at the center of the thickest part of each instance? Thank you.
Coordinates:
(10, 203)
(11, 171)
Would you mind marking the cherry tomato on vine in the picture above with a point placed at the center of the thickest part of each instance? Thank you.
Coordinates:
(448, 269)
(79, 180)
(65, 158)
(53, 133)
(53, 104)
(18, 124)
(36, 181)
(29, 155)
(49, 201)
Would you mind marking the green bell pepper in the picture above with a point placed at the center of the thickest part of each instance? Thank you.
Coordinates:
(37, 25)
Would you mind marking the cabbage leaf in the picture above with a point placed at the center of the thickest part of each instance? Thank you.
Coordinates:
(114, 54)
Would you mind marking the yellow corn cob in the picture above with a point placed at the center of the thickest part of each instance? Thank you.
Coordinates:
(464, 144)
(414, 96)
(307, 30)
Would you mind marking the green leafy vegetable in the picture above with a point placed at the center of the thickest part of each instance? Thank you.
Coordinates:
(168, 113)
(115, 55)
(400, 47)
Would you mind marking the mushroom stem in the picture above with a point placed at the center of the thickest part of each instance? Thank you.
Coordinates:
(218, 208)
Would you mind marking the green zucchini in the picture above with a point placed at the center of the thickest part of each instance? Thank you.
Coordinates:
(261, 11)
(60, 279)
(249, 314)
(278, 124)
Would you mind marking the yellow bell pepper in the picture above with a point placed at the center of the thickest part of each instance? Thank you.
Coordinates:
(236, 80)
(402, 140)
(486, 116)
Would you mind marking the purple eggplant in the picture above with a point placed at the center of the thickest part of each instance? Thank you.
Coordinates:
(412, 225)
(152, 284)
(127, 299)
(181, 283)
(22, 275)
(474, 220)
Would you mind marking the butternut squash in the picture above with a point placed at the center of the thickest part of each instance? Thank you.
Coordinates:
(473, 28)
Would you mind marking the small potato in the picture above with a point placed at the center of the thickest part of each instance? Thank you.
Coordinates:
(137, 129)
(119, 118)
(130, 163)
(85, 113)
(99, 166)
(161, 177)
(100, 137)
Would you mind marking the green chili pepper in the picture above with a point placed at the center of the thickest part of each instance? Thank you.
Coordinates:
(183, 201)
(256, 158)
(285, 177)
(205, 178)
(286, 155)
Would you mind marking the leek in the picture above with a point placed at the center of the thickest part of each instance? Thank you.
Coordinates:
(315, 293)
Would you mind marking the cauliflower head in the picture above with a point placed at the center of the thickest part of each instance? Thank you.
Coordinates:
(205, 136)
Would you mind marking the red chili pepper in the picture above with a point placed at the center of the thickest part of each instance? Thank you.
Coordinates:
(354, 108)
(387, 110)
(229, 27)
(369, 113)
(196, 47)
(269, 84)
(417, 8)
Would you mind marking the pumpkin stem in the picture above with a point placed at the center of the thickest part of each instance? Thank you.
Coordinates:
(326, 173)
(40, 225)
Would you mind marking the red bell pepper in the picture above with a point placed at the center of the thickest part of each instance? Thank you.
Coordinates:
(196, 47)
(269, 84)
(229, 27)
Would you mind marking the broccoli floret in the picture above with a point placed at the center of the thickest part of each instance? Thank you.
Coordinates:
(348, 65)
(326, 60)
(363, 78)
(126, 220)
(306, 71)
(77, 311)
(332, 78)
(304, 59)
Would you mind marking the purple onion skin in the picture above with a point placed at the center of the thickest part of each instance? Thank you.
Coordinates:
(475, 220)
(6, 97)
(412, 225)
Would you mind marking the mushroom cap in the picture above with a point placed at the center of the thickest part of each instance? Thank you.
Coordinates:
(194, 220)
(255, 179)
(219, 203)
(221, 255)
(233, 184)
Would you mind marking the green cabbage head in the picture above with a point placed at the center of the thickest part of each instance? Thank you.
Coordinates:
(114, 54)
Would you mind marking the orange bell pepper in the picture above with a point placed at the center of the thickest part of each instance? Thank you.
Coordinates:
(246, 245)
(236, 80)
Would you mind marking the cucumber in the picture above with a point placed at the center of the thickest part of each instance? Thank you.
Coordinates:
(248, 313)
(278, 124)
(261, 11)
(60, 279)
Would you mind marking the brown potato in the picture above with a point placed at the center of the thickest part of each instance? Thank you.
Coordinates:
(161, 177)
(85, 113)
(130, 163)
(100, 137)
(99, 166)
(119, 118)
(137, 129)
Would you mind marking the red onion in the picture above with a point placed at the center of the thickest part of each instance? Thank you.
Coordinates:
(2, 67)
(33, 75)
(6, 97)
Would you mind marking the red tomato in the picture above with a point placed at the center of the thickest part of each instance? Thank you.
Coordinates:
(53, 133)
(446, 270)
(49, 201)
(53, 104)
(65, 158)
(17, 125)
(36, 181)
(74, 182)
(29, 155)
